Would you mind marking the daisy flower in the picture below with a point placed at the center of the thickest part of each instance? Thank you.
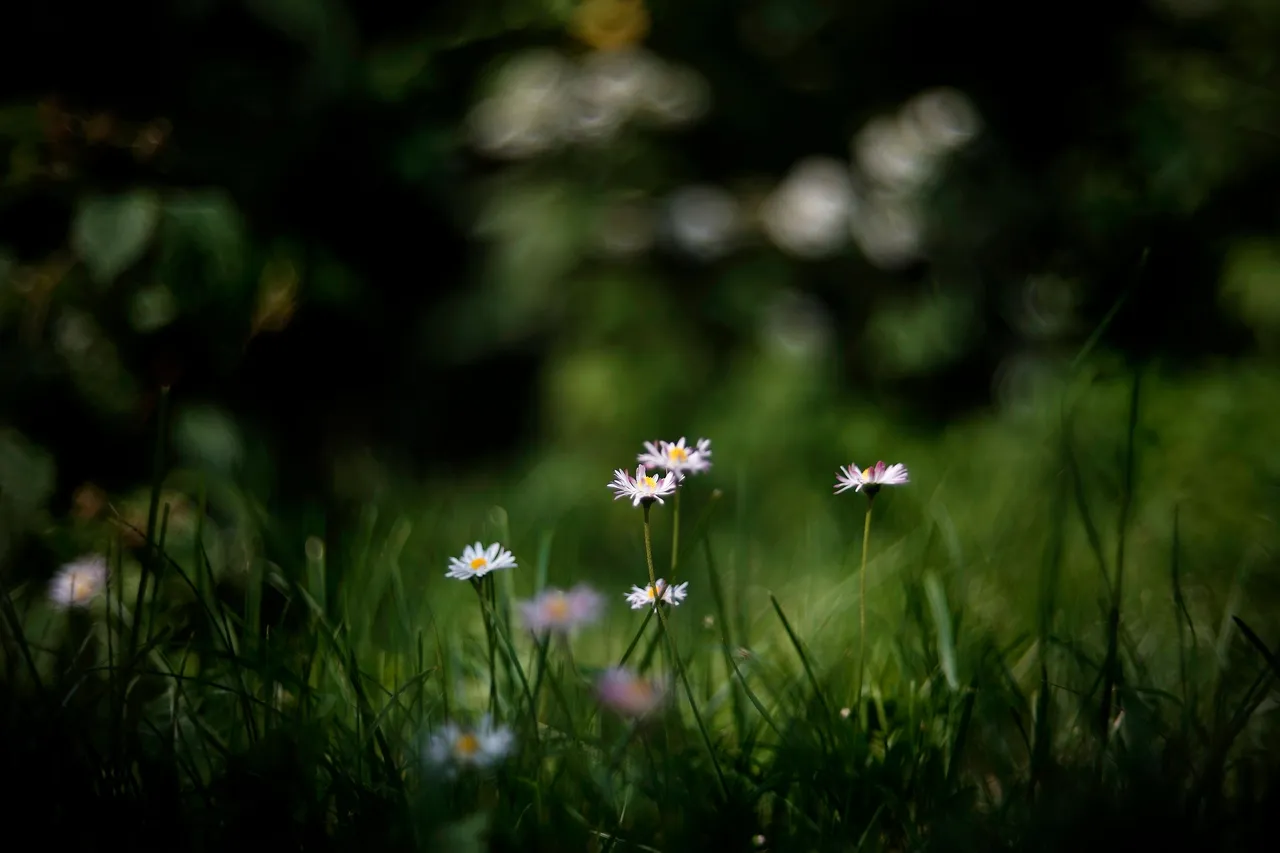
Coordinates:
(642, 488)
(660, 590)
(477, 561)
(79, 581)
(871, 478)
(560, 611)
(628, 694)
(453, 747)
(676, 457)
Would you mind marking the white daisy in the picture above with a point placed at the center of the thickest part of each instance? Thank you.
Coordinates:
(677, 457)
(660, 590)
(642, 488)
(477, 561)
(453, 747)
(870, 479)
(79, 581)
(560, 611)
(629, 694)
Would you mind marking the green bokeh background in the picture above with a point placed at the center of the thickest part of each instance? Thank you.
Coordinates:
(279, 210)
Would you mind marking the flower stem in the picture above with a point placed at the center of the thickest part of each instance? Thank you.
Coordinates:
(675, 536)
(543, 643)
(648, 545)
(862, 603)
(486, 610)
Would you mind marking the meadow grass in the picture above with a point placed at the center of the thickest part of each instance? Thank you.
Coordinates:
(210, 699)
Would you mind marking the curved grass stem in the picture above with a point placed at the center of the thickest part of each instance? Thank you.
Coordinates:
(693, 705)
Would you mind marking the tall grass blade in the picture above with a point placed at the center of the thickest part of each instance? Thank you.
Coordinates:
(1182, 618)
(1111, 675)
(543, 564)
(1098, 331)
(1049, 581)
(153, 509)
(1256, 642)
(726, 638)
(804, 658)
(635, 641)
(693, 704)
(942, 624)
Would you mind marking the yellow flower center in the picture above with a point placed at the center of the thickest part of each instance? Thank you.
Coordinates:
(558, 608)
(611, 24)
(478, 563)
(678, 454)
(80, 590)
(651, 482)
(466, 745)
(641, 690)
(652, 592)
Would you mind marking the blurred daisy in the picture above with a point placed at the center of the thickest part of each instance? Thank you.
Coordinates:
(870, 479)
(477, 561)
(453, 747)
(660, 590)
(79, 581)
(560, 611)
(677, 458)
(628, 694)
(642, 488)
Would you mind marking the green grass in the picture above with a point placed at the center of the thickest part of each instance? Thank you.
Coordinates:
(241, 685)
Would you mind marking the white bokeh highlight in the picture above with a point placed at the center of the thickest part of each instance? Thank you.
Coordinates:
(808, 214)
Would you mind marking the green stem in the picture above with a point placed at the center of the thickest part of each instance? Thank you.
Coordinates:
(566, 649)
(635, 641)
(648, 546)
(486, 611)
(543, 643)
(675, 535)
(862, 603)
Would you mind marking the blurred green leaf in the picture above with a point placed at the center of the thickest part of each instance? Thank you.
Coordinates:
(208, 434)
(304, 20)
(464, 836)
(26, 482)
(26, 474)
(152, 308)
(111, 232)
(1251, 282)
(392, 71)
(209, 223)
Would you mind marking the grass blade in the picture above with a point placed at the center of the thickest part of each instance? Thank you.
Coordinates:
(942, 622)
(804, 658)
(1257, 643)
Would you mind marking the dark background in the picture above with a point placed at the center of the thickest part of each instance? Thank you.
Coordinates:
(270, 102)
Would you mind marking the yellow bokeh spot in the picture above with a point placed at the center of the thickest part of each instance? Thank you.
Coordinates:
(466, 745)
(611, 24)
(478, 563)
